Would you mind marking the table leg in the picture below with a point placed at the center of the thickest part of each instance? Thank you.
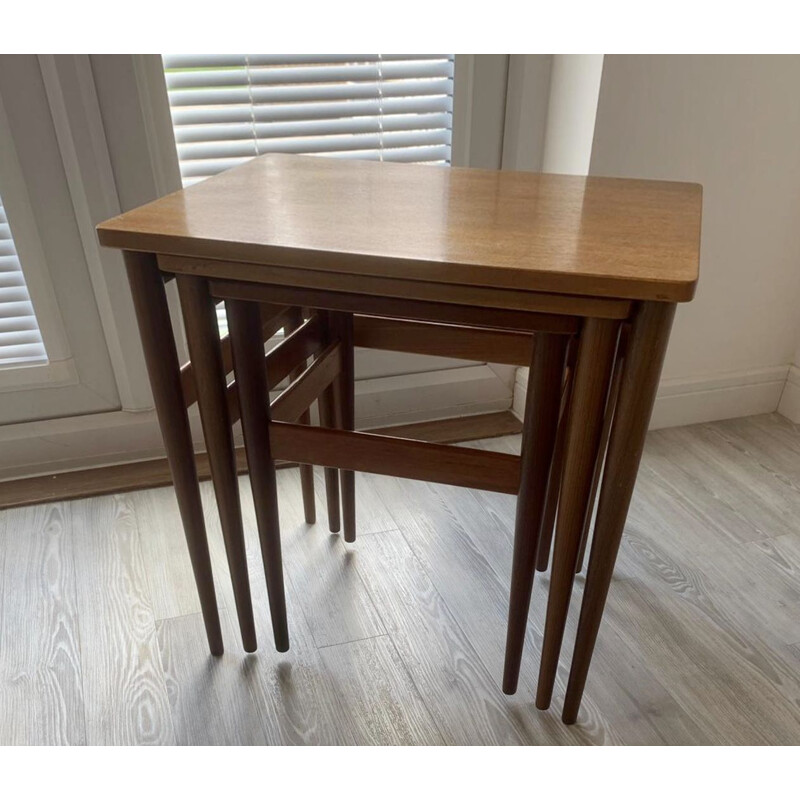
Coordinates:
(643, 361)
(345, 390)
(163, 368)
(244, 322)
(596, 348)
(306, 470)
(538, 439)
(202, 335)
(328, 419)
(613, 394)
(557, 466)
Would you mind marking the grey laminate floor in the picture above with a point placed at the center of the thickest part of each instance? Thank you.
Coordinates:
(399, 638)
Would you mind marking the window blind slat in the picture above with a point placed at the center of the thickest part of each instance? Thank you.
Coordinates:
(347, 125)
(20, 339)
(238, 60)
(255, 94)
(183, 116)
(311, 74)
(312, 144)
(198, 61)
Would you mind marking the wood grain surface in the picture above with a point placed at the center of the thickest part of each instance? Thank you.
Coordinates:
(700, 644)
(125, 693)
(608, 237)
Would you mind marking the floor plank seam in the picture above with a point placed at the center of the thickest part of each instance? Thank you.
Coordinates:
(352, 547)
(352, 641)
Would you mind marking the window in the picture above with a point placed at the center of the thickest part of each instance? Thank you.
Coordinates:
(227, 109)
(20, 339)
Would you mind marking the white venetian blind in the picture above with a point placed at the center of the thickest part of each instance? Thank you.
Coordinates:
(227, 109)
(20, 340)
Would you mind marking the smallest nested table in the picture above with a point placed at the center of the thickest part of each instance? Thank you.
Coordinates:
(575, 277)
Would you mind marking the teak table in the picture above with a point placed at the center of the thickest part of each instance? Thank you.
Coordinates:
(576, 277)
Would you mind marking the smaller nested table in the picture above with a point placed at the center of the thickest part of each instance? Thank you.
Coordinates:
(577, 278)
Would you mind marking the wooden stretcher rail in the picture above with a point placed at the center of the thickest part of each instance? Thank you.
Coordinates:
(274, 318)
(307, 387)
(449, 341)
(421, 310)
(402, 458)
(298, 346)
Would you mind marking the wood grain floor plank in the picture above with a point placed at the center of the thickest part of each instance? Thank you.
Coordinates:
(166, 558)
(298, 699)
(41, 693)
(616, 708)
(629, 692)
(748, 501)
(123, 682)
(380, 702)
(737, 690)
(212, 698)
(444, 541)
(756, 583)
(449, 674)
(398, 637)
(295, 694)
(169, 572)
(772, 441)
(335, 602)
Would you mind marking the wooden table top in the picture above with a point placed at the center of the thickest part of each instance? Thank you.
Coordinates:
(605, 237)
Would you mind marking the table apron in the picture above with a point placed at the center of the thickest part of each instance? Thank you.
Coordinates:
(398, 289)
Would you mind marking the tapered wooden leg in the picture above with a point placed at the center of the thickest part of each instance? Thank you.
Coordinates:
(596, 348)
(557, 465)
(328, 419)
(306, 470)
(163, 368)
(613, 393)
(244, 322)
(344, 387)
(538, 439)
(644, 358)
(202, 335)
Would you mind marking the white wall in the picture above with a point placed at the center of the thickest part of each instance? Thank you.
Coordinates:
(571, 110)
(731, 123)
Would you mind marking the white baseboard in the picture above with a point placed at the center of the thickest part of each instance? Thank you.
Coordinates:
(58, 445)
(685, 401)
(430, 395)
(789, 404)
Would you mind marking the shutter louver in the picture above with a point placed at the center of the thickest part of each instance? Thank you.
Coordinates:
(227, 109)
(20, 339)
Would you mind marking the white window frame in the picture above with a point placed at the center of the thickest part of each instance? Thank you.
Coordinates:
(60, 367)
(78, 377)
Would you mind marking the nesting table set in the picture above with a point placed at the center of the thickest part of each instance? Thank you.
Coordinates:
(576, 278)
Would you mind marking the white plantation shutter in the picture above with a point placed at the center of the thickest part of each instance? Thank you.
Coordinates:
(20, 340)
(226, 109)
